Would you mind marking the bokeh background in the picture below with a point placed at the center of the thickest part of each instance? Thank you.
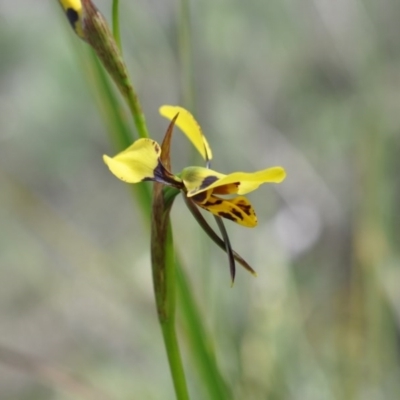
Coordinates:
(312, 85)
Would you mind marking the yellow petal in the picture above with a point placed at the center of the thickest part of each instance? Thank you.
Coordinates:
(137, 163)
(198, 179)
(251, 181)
(189, 126)
(238, 210)
(247, 181)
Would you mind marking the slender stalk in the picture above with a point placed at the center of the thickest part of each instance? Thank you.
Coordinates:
(164, 280)
(137, 114)
(168, 324)
(115, 24)
(130, 95)
(185, 55)
(174, 359)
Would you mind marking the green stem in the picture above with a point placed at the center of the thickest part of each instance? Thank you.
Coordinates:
(137, 113)
(126, 87)
(164, 281)
(115, 24)
(168, 324)
(175, 361)
(185, 55)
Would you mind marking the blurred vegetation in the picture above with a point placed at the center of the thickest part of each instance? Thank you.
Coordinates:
(308, 84)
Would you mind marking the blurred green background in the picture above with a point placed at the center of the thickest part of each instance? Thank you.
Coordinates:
(312, 85)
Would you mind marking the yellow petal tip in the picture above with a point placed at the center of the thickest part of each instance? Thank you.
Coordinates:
(281, 174)
(189, 126)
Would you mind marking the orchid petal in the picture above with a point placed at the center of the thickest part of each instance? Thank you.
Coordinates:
(189, 126)
(137, 163)
(238, 210)
(245, 182)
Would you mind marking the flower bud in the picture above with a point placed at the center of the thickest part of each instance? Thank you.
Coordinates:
(90, 25)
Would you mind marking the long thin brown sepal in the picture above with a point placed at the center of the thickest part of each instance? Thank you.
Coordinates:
(228, 247)
(211, 233)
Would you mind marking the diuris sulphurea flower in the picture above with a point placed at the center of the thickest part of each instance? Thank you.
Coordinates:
(200, 186)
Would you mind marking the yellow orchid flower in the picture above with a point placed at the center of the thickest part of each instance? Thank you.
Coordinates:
(141, 162)
(146, 160)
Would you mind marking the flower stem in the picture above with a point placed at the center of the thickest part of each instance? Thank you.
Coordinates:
(164, 280)
(185, 55)
(115, 24)
(127, 89)
(168, 323)
(174, 359)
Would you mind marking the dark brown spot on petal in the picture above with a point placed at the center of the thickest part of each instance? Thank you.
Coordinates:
(227, 216)
(246, 208)
(208, 181)
(237, 213)
(198, 198)
(72, 16)
(213, 201)
(157, 147)
(208, 204)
